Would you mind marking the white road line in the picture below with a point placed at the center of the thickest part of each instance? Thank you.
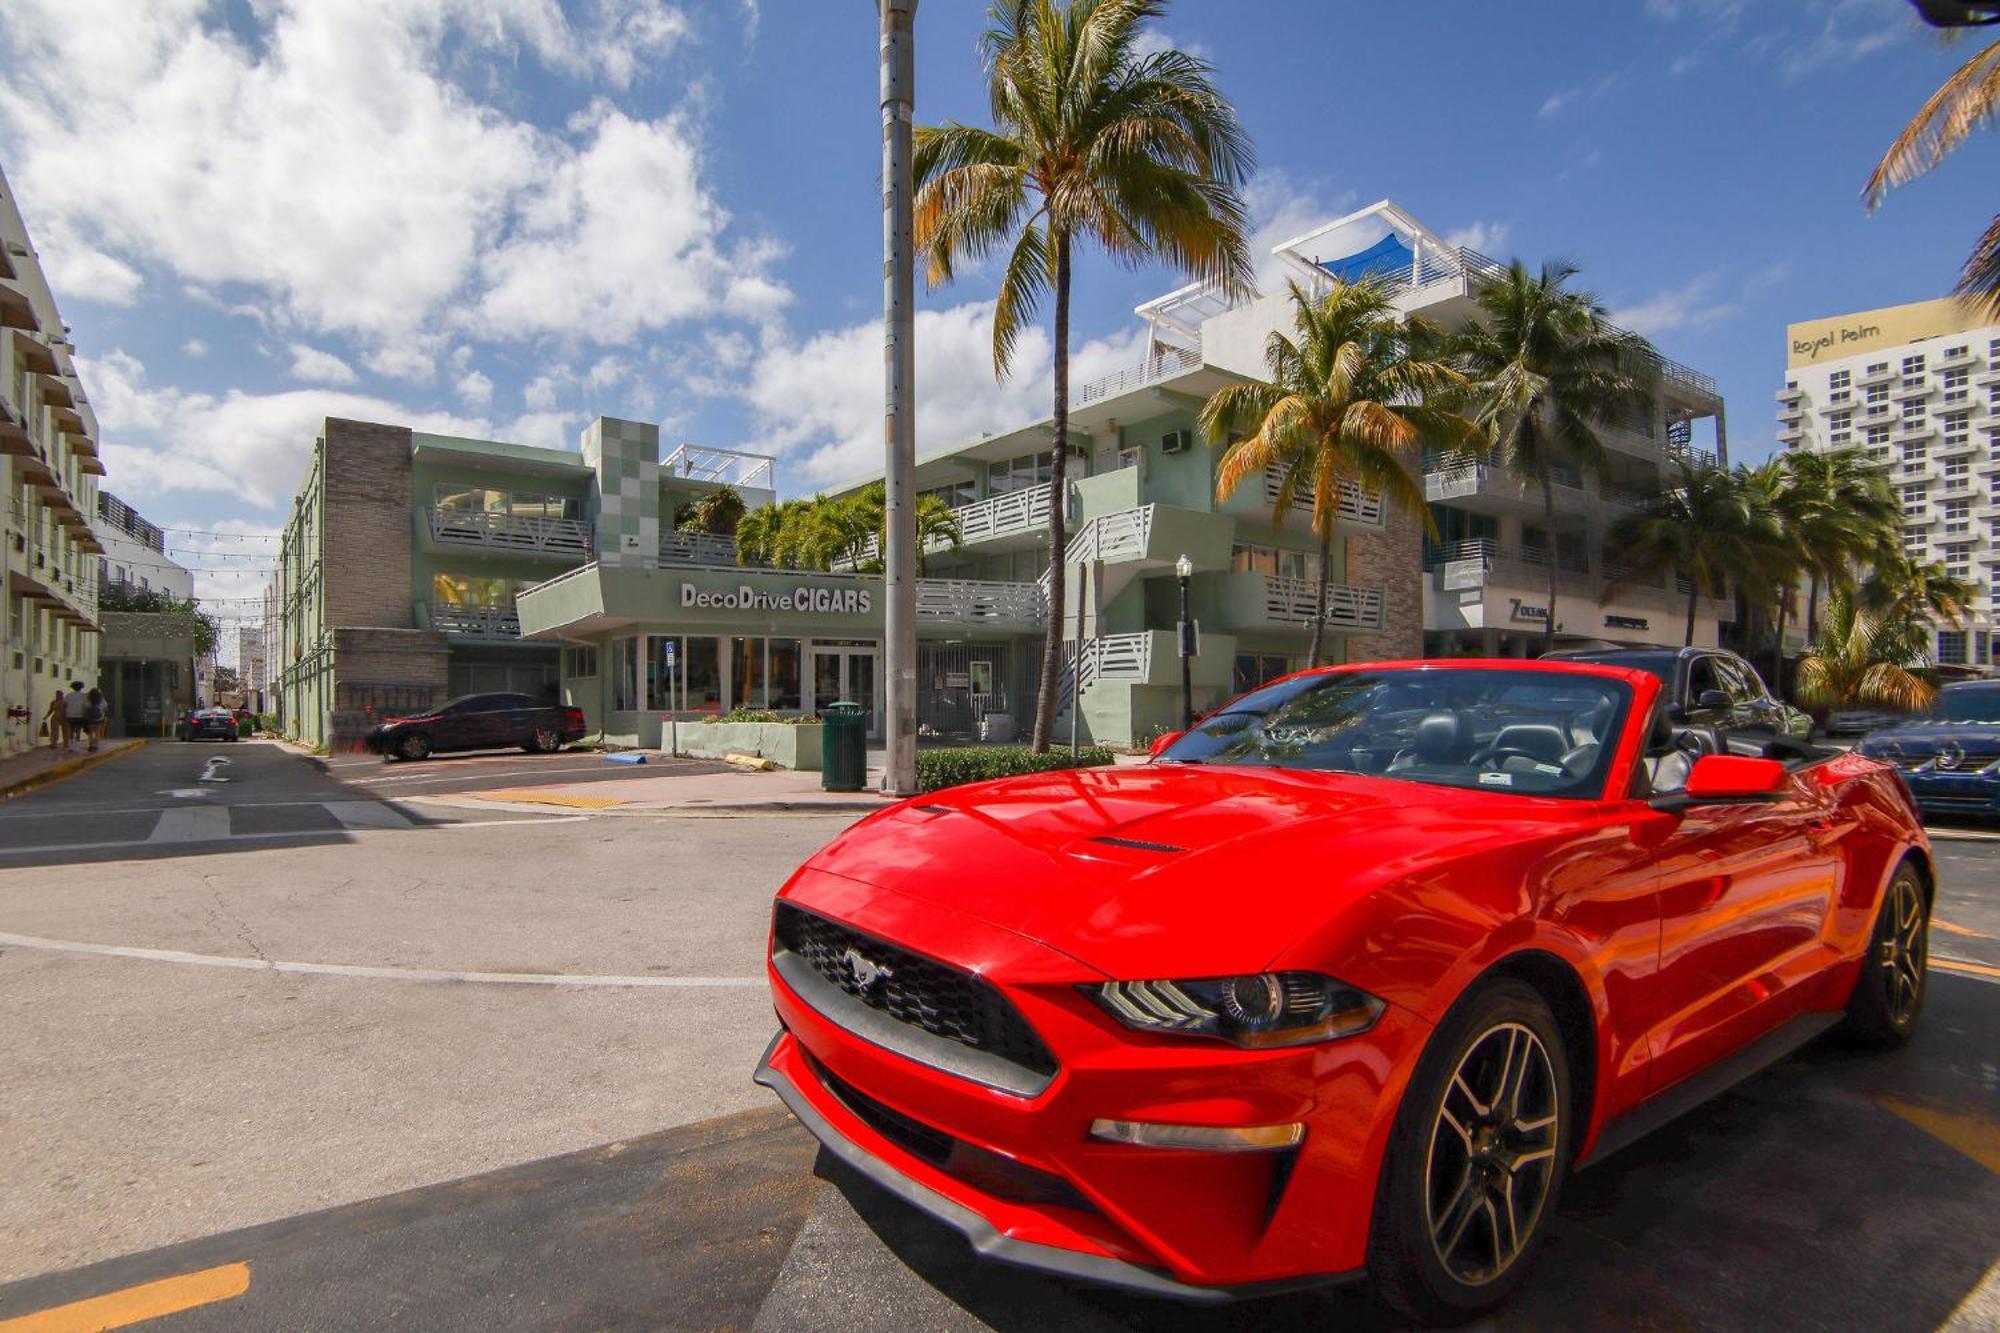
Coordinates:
(365, 814)
(76, 847)
(376, 973)
(191, 823)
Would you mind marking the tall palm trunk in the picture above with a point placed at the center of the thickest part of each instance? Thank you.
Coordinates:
(1319, 599)
(1694, 595)
(1052, 649)
(1549, 554)
(1778, 645)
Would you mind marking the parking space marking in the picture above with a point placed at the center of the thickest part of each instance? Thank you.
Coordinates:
(1950, 929)
(1977, 1136)
(1969, 969)
(191, 823)
(424, 974)
(366, 814)
(132, 1305)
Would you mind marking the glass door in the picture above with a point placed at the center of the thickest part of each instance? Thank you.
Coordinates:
(846, 673)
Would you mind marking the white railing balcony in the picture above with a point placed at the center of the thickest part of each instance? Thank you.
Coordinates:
(1002, 515)
(1791, 432)
(1921, 428)
(1881, 374)
(1792, 414)
(981, 602)
(724, 467)
(511, 532)
(1913, 388)
(698, 548)
(1955, 356)
(475, 622)
(1356, 505)
(1163, 364)
(1126, 657)
(1347, 607)
(1791, 393)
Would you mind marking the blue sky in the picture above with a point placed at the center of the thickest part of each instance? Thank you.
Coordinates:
(502, 217)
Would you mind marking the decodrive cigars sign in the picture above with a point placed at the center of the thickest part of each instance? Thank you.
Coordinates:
(803, 598)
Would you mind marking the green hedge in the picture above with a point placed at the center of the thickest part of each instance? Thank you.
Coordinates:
(950, 768)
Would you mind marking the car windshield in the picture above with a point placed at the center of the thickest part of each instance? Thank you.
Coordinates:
(1967, 706)
(1533, 732)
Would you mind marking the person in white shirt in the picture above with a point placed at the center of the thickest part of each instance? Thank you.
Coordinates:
(75, 706)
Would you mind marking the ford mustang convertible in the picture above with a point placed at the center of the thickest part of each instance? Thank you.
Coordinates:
(1343, 982)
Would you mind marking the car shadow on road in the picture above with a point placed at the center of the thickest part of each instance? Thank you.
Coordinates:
(1801, 1199)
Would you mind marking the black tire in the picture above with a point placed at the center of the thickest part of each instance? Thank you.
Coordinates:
(416, 745)
(543, 740)
(1889, 995)
(1446, 1271)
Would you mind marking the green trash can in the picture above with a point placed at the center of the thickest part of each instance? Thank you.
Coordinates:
(843, 756)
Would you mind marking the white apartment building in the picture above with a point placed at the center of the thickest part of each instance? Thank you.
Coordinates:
(49, 467)
(1918, 387)
(135, 553)
(1485, 585)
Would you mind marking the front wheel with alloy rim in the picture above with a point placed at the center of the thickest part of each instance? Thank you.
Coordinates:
(1889, 994)
(543, 740)
(416, 745)
(1476, 1158)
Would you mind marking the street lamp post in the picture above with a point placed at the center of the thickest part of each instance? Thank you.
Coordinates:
(1184, 570)
(899, 436)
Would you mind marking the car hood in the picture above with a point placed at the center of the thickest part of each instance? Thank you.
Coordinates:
(1921, 740)
(1170, 869)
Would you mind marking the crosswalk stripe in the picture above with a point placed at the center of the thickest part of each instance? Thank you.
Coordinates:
(366, 814)
(191, 823)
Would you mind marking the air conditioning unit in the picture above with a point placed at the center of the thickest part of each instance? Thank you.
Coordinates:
(1177, 442)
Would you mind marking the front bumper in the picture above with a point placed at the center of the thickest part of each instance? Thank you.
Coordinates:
(1189, 1224)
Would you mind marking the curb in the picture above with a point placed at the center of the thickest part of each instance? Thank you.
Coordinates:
(456, 801)
(67, 769)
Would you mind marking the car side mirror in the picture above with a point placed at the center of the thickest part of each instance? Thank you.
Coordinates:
(1161, 742)
(1726, 779)
(1712, 699)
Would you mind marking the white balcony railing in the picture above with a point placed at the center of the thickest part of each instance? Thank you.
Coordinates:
(698, 548)
(1163, 364)
(723, 467)
(1347, 607)
(1356, 505)
(476, 622)
(972, 601)
(1126, 657)
(510, 532)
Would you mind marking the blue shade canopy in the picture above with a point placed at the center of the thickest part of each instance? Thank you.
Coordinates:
(1388, 255)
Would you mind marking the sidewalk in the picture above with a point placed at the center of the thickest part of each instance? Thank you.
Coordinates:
(733, 792)
(22, 773)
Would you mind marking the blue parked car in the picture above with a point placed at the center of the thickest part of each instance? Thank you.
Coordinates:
(1950, 759)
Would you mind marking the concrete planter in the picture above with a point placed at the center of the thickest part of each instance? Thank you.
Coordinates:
(787, 746)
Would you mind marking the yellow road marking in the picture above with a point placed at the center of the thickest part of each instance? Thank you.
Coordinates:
(1950, 929)
(531, 796)
(1976, 969)
(1977, 1136)
(150, 1300)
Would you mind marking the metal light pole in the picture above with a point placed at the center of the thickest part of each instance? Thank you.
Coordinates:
(1184, 568)
(899, 436)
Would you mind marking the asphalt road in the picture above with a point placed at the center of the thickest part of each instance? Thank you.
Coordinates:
(486, 770)
(494, 1074)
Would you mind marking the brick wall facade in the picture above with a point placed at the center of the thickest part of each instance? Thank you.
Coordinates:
(380, 673)
(1392, 560)
(365, 561)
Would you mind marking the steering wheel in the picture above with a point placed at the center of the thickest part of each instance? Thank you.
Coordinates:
(1488, 758)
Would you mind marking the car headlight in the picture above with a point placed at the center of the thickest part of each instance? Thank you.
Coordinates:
(1257, 1011)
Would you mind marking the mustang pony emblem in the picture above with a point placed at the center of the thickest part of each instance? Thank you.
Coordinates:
(865, 971)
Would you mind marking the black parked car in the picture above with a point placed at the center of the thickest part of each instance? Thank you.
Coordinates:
(1713, 693)
(1949, 760)
(479, 722)
(204, 724)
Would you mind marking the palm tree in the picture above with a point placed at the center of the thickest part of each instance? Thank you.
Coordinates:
(1906, 596)
(1705, 529)
(1965, 101)
(1348, 403)
(1549, 372)
(1841, 511)
(1096, 141)
(936, 524)
(1855, 661)
(718, 512)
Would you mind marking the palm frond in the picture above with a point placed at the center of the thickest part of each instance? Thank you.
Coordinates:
(1965, 101)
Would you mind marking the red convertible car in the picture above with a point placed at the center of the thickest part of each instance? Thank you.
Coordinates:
(1345, 981)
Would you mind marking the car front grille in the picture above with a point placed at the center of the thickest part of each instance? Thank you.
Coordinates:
(918, 993)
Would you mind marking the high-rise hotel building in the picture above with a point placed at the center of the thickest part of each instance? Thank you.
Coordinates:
(1917, 387)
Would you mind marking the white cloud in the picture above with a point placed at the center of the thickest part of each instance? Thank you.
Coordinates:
(551, 430)
(1487, 237)
(1846, 31)
(79, 269)
(475, 388)
(1689, 308)
(317, 367)
(161, 438)
(1282, 207)
(1563, 98)
(607, 372)
(1154, 39)
(332, 167)
(195, 347)
(540, 393)
(820, 402)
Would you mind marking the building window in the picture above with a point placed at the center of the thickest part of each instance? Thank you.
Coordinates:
(521, 504)
(701, 676)
(474, 590)
(625, 675)
(746, 672)
(1878, 368)
(1913, 412)
(579, 663)
(1951, 647)
(956, 494)
(1839, 379)
(1877, 435)
(1839, 420)
(1957, 428)
(1957, 515)
(1958, 560)
(1274, 561)
(1019, 474)
(784, 676)
(1877, 393)
(1254, 669)
(1913, 365)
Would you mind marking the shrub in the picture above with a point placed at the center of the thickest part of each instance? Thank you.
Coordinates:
(977, 763)
(762, 715)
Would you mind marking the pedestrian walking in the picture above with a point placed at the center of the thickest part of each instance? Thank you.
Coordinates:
(94, 714)
(55, 724)
(75, 705)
